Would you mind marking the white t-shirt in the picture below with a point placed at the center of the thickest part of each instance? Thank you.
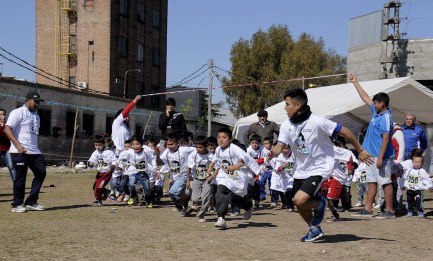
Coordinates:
(261, 152)
(281, 180)
(342, 158)
(120, 132)
(103, 160)
(177, 161)
(416, 179)
(25, 127)
(199, 164)
(132, 162)
(312, 149)
(236, 181)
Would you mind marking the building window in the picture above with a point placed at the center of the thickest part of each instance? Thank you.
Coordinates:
(139, 89)
(140, 12)
(70, 122)
(140, 52)
(119, 87)
(123, 7)
(87, 130)
(155, 56)
(45, 116)
(156, 19)
(154, 101)
(108, 124)
(138, 130)
(123, 47)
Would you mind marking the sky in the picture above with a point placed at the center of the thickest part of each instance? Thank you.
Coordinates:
(200, 30)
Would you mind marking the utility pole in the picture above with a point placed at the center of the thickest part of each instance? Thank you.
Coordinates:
(209, 100)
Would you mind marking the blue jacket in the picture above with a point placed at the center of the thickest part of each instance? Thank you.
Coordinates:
(414, 137)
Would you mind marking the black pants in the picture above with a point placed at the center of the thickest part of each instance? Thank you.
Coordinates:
(414, 200)
(224, 197)
(22, 162)
(289, 199)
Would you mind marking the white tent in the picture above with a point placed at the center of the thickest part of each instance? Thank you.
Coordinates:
(341, 103)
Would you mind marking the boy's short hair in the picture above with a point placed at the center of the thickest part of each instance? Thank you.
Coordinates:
(171, 101)
(268, 139)
(226, 131)
(381, 97)
(416, 153)
(108, 142)
(152, 141)
(128, 141)
(98, 139)
(201, 140)
(256, 137)
(211, 140)
(1, 109)
(339, 140)
(137, 138)
(173, 137)
(299, 95)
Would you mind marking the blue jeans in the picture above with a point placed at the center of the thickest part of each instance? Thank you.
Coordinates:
(176, 190)
(362, 189)
(115, 184)
(124, 185)
(266, 178)
(8, 160)
(143, 179)
(21, 163)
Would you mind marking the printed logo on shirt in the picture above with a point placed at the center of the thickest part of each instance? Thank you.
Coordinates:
(175, 166)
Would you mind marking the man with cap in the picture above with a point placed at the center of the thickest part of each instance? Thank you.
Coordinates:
(22, 129)
(263, 128)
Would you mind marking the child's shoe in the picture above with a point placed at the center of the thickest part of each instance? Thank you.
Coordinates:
(131, 201)
(410, 214)
(97, 203)
(421, 214)
(221, 223)
(112, 198)
(149, 205)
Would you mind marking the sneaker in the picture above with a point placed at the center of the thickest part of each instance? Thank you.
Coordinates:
(126, 198)
(273, 205)
(319, 213)
(34, 206)
(120, 198)
(188, 211)
(183, 213)
(131, 201)
(386, 215)
(421, 214)
(334, 218)
(248, 213)
(19, 209)
(313, 234)
(290, 210)
(410, 214)
(112, 198)
(235, 214)
(221, 223)
(149, 205)
(175, 210)
(359, 204)
(376, 206)
(363, 213)
(97, 203)
(202, 220)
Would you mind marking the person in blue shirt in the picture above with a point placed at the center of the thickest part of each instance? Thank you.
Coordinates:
(378, 144)
(414, 135)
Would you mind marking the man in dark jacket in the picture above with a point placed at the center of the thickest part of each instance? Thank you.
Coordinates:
(263, 128)
(172, 121)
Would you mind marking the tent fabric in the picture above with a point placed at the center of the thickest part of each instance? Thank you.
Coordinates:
(341, 103)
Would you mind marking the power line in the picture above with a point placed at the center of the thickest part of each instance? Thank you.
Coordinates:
(184, 79)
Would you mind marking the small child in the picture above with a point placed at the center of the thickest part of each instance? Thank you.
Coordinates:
(175, 157)
(360, 177)
(122, 180)
(198, 163)
(212, 144)
(231, 176)
(137, 163)
(415, 180)
(256, 151)
(104, 160)
(109, 145)
(156, 179)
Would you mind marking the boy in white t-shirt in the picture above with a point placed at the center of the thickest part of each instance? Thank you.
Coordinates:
(230, 162)
(105, 161)
(258, 188)
(313, 152)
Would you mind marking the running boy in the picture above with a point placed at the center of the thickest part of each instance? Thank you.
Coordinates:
(313, 152)
(104, 160)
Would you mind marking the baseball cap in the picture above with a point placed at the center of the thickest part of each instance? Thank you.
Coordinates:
(262, 113)
(34, 96)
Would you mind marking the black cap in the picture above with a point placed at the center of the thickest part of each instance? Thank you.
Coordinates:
(262, 113)
(34, 96)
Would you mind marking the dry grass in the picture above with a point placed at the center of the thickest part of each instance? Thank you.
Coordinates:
(70, 229)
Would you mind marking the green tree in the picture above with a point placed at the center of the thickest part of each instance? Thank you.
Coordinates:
(271, 56)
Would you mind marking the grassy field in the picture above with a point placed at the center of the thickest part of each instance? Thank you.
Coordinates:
(70, 229)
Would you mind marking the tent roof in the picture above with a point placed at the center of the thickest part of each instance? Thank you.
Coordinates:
(342, 103)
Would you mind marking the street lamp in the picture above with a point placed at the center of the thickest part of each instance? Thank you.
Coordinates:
(124, 83)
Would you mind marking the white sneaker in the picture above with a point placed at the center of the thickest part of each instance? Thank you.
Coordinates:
(221, 223)
(359, 204)
(19, 209)
(126, 198)
(35, 206)
(248, 213)
(376, 206)
(273, 205)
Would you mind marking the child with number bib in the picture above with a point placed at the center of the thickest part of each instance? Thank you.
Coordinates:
(230, 161)
(198, 163)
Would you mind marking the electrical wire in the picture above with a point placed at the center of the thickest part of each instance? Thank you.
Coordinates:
(184, 79)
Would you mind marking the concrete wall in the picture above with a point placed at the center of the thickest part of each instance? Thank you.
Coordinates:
(415, 60)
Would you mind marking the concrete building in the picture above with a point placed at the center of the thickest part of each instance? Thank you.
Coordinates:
(117, 48)
(377, 52)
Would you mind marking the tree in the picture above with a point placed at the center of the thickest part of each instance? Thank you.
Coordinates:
(274, 55)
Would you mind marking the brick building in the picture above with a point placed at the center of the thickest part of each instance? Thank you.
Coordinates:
(100, 44)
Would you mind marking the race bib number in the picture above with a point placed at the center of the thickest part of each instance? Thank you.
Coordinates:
(232, 174)
(413, 181)
(363, 177)
(140, 166)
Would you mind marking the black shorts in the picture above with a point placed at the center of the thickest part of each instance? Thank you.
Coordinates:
(310, 185)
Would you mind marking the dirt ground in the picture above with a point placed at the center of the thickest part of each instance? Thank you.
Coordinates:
(70, 229)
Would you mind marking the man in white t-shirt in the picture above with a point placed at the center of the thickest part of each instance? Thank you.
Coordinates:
(308, 135)
(22, 128)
